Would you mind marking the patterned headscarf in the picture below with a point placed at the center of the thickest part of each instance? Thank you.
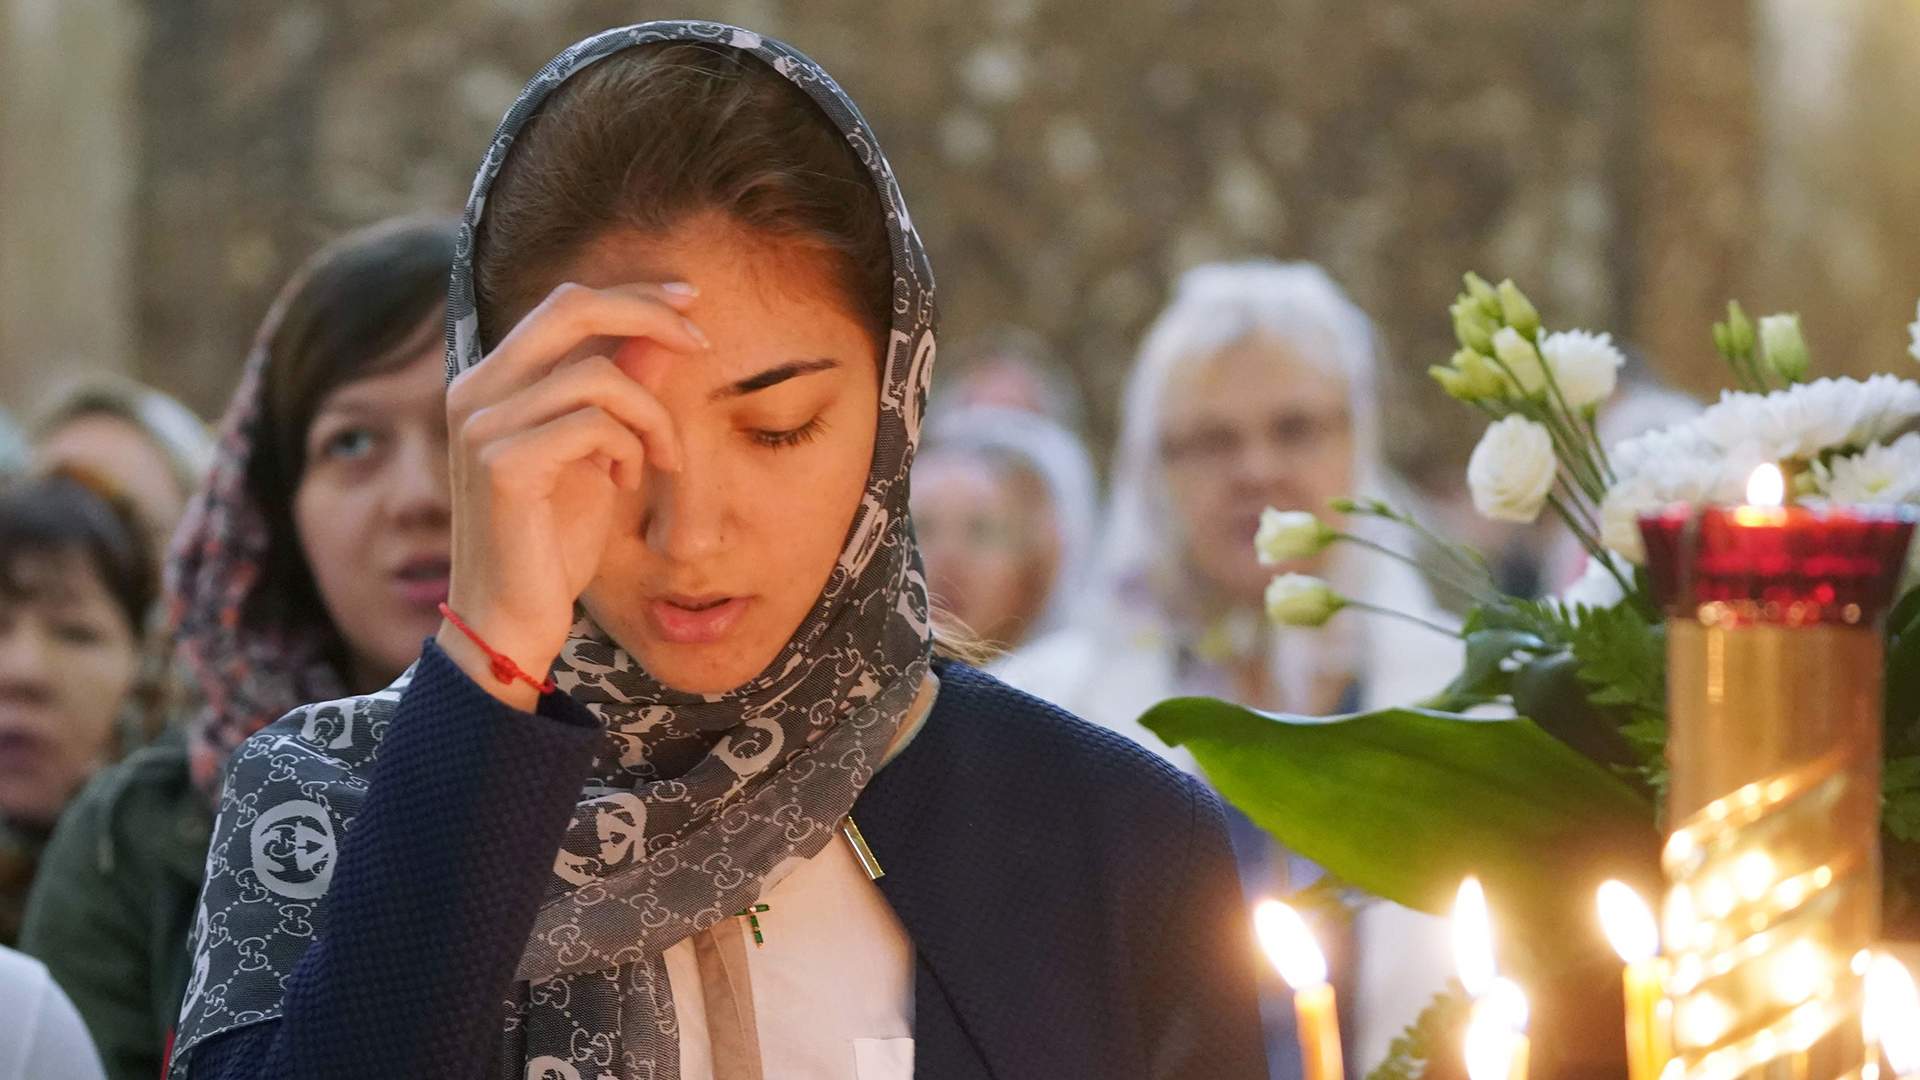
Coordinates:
(246, 671)
(696, 803)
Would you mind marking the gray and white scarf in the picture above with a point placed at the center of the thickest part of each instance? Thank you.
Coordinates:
(696, 804)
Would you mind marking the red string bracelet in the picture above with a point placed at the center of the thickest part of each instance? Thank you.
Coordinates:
(501, 664)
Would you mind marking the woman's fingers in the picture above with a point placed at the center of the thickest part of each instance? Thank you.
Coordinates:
(594, 381)
(568, 316)
(532, 460)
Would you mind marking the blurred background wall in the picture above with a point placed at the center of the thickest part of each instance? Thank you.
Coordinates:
(163, 165)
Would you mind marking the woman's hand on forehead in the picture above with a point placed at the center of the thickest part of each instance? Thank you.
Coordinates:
(544, 442)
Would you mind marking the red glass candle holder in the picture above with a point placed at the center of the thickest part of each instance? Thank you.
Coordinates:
(1786, 565)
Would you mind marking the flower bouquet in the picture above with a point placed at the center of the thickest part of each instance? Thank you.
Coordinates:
(1541, 766)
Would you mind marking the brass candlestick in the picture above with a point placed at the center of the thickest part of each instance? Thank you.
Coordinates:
(1775, 665)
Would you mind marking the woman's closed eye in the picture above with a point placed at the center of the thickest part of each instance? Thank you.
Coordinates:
(77, 632)
(780, 439)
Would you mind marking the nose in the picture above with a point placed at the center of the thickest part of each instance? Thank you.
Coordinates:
(1259, 464)
(24, 656)
(417, 491)
(686, 511)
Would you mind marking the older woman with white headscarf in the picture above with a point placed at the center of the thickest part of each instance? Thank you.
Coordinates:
(1254, 388)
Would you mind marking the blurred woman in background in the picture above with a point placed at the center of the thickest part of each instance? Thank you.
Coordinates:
(312, 565)
(1003, 505)
(153, 449)
(1254, 388)
(75, 585)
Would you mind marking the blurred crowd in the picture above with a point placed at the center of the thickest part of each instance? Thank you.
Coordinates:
(168, 586)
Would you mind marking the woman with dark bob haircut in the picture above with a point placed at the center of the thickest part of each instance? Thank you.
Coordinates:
(688, 784)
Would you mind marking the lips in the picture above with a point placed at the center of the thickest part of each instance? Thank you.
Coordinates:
(422, 582)
(21, 752)
(695, 620)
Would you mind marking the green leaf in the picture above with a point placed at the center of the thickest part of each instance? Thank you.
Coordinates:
(1622, 659)
(1900, 792)
(1481, 676)
(1903, 675)
(1431, 1039)
(1405, 802)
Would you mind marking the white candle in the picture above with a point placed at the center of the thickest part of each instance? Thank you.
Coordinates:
(1629, 925)
(1290, 945)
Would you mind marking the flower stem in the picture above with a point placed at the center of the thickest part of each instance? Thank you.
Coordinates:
(1593, 547)
(1463, 588)
(1404, 617)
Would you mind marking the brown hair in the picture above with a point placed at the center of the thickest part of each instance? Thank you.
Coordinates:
(363, 305)
(653, 135)
(73, 511)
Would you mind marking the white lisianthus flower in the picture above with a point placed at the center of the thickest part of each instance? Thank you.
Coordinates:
(1299, 600)
(1882, 473)
(1512, 470)
(1586, 366)
(1287, 535)
(1784, 347)
(1521, 359)
(1913, 350)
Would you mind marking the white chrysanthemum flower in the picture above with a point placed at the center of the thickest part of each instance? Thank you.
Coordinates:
(1914, 331)
(1512, 470)
(1682, 479)
(1653, 449)
(1801, 422)
(1882, 473)
(1585, 365)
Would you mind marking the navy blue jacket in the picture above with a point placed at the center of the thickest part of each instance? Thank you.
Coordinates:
(1071, 898)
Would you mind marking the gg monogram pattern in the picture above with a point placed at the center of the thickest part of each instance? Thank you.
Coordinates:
(695, 804)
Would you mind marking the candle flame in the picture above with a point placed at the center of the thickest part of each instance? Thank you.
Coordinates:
(1496, 1032)
(1289, 944)
(1892, 1015)
(1628, 922)
(1490, 1049)
(1473, 938)
(1767, 486)
(1506, 1003)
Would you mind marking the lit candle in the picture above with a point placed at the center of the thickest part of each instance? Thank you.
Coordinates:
(1496, 1045)
(1629, 924)
(1290, 945)
(1891, 1018)
(1775, 669)
(1472, 928)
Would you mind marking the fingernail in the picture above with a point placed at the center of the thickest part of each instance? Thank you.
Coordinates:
(698, 334)
(681, 288)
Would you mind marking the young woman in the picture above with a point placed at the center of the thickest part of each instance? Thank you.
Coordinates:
(75, 585)
(311, 564)
(693, 327)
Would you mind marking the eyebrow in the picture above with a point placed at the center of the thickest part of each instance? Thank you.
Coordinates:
(773, 377)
